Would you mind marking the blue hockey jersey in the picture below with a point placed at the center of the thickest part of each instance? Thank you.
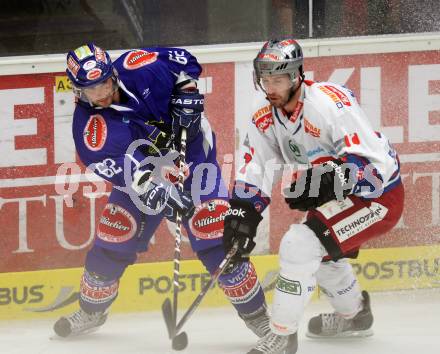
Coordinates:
(146, 78)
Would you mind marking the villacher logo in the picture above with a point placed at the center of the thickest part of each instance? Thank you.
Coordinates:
(208, 219)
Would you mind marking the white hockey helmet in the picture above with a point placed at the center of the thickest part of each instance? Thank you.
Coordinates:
(279, 57)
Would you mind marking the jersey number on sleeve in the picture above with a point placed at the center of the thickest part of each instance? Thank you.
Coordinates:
(178, 57)
(108, 168)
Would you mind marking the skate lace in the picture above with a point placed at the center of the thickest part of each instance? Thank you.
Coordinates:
(260, 324)
(331, 322)
(272, 343)
(81, 319)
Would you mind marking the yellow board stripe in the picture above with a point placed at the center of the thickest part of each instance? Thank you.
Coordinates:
(145, 286)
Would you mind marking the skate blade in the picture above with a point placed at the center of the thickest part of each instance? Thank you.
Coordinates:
(348, 334)
(74, 335)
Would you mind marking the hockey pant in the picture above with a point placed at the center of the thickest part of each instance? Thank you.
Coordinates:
(124, 231)
(315, 253)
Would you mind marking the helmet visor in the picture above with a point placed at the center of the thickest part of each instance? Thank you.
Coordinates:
(276, 83)
(100, 94)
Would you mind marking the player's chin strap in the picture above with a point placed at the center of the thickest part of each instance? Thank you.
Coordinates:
(294, 90)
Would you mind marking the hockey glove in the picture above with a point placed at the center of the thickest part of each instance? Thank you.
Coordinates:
(166, 199)
(325, 182)
(186, 109)
(241, 224)
(158, 142)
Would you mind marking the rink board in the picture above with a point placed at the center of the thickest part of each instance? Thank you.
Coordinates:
(45, 190)
(144, 286)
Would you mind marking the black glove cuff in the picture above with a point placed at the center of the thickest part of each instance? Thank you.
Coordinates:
(247, 207)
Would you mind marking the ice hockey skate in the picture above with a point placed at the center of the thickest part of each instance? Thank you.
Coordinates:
(79, 323)
(257, 322)
(332, 325)
(273, 343)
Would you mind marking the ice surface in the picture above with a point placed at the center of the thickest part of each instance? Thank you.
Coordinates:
(405, 323)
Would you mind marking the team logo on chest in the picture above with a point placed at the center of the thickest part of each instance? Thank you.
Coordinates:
(95, 132)
(297, 150)
(138, 58)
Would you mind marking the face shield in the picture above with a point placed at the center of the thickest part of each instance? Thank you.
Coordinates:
(275, 83)
(100, 94)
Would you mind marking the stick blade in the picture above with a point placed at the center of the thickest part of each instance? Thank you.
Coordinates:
(180, 341)
(167, 312)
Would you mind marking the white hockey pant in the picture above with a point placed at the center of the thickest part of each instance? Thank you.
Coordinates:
(301, 269)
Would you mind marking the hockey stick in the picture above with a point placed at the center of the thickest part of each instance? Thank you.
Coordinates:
(166, 306)
(180, 340)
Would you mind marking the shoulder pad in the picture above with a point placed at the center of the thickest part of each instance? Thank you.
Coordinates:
(339, 96)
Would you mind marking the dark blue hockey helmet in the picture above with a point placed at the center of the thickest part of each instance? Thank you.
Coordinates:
(88, 66)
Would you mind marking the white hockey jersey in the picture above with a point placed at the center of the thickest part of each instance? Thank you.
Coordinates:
(327, 123)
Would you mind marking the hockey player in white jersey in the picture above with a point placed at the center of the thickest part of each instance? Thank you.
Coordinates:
(347, 179)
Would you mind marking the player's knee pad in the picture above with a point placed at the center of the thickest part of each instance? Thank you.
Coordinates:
(212, 257)
(300, 250)
(108, 263)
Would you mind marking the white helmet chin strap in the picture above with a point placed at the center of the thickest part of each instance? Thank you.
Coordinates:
(294, 89)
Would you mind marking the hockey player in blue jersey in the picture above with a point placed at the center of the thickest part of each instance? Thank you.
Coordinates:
(126, 128)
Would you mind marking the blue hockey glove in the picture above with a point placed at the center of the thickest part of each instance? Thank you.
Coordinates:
(165, 198)
(186, 109)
